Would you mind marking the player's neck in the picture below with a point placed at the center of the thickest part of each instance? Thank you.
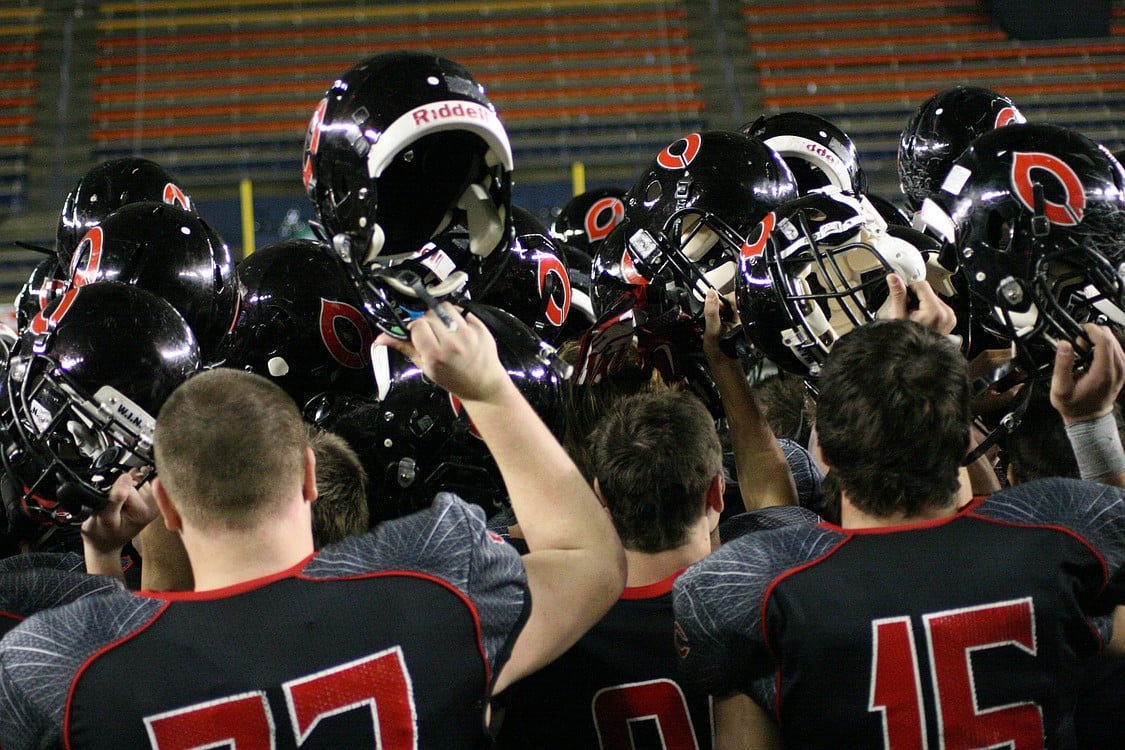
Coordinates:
(226, 557)
(852, 517)
(647, 568)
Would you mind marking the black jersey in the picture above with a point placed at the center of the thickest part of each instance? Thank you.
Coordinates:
(387, 640)
(967, 632)
(30, 583)
(616, 689)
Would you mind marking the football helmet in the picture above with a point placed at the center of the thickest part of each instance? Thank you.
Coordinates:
(940, 129)
(819, 153)
(813, 270)
(891, 213)
(1036, 213)
(300, 322)
(106, 188)
(81, 392)
(686, 218)
(172, 253)
(406, 149)
(46, 282)
(534, 282)
(414, 438)
(589, 217)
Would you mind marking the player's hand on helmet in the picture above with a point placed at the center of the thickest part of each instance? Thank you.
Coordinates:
(458, 353)
(1090, 394)
(130, 509)
(720, 316)
(929, 310)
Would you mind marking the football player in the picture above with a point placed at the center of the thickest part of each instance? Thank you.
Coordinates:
(394, 638)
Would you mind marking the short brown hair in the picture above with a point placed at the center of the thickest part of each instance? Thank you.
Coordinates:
(341, 508)
(229, 446)
(893, 417)
(654, 457)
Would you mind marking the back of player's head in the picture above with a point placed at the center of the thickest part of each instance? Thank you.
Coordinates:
(654, 457)
(341, 508)
(893, 417)
(230, 448)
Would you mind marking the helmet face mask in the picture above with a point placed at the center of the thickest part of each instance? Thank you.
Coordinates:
(81, 392)
(1037, 216)
(814, 270)
(70, 438)
(686, 218)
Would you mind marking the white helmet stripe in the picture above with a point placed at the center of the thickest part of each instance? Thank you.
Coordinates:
(454, 114)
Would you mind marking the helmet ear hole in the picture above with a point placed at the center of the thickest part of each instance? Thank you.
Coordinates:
(652, 193)
(999, 231)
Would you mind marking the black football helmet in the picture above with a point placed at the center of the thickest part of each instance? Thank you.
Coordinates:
(81, 392)
(172, 253)
(406, 157)
(534, 283)
(300, 322)
(818, 152)
(1036, 213)
(940, 130)
(890, 212)
(813, 270)
(589, 217)
(106, 188)
(414, 438)
(46, 282)
(686, 218)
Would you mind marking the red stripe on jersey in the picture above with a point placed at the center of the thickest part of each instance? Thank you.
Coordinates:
(652, 590)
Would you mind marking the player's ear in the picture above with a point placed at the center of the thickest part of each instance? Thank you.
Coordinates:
(172, 520)
(308, 484)
(598, 492)
(715, 492)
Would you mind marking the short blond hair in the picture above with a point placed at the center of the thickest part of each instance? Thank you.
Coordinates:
(230, 446)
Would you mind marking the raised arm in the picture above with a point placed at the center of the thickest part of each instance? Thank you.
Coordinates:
(1085, 401)
(764, 478)
(576, 565)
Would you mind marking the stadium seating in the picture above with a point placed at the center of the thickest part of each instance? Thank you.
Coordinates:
(20, 28)
(225, 89)
(868, 64)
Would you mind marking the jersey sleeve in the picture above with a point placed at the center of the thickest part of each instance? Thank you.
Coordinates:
(43, 560)
(1094, 513)
(720, 604)
(450, 541)
(40, 659)
(25, 592)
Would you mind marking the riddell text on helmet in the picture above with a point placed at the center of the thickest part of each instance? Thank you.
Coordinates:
(429, 115)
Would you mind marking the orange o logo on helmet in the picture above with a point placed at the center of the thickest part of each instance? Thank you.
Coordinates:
(1007, 116)
(556, 312)
(312, 144)
(677, 156)
(41, 324)
(330, 312)
(602, 217)
(1067, 214)
(174, 196)
(759, 236)
(87, 261)
(629, 270)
